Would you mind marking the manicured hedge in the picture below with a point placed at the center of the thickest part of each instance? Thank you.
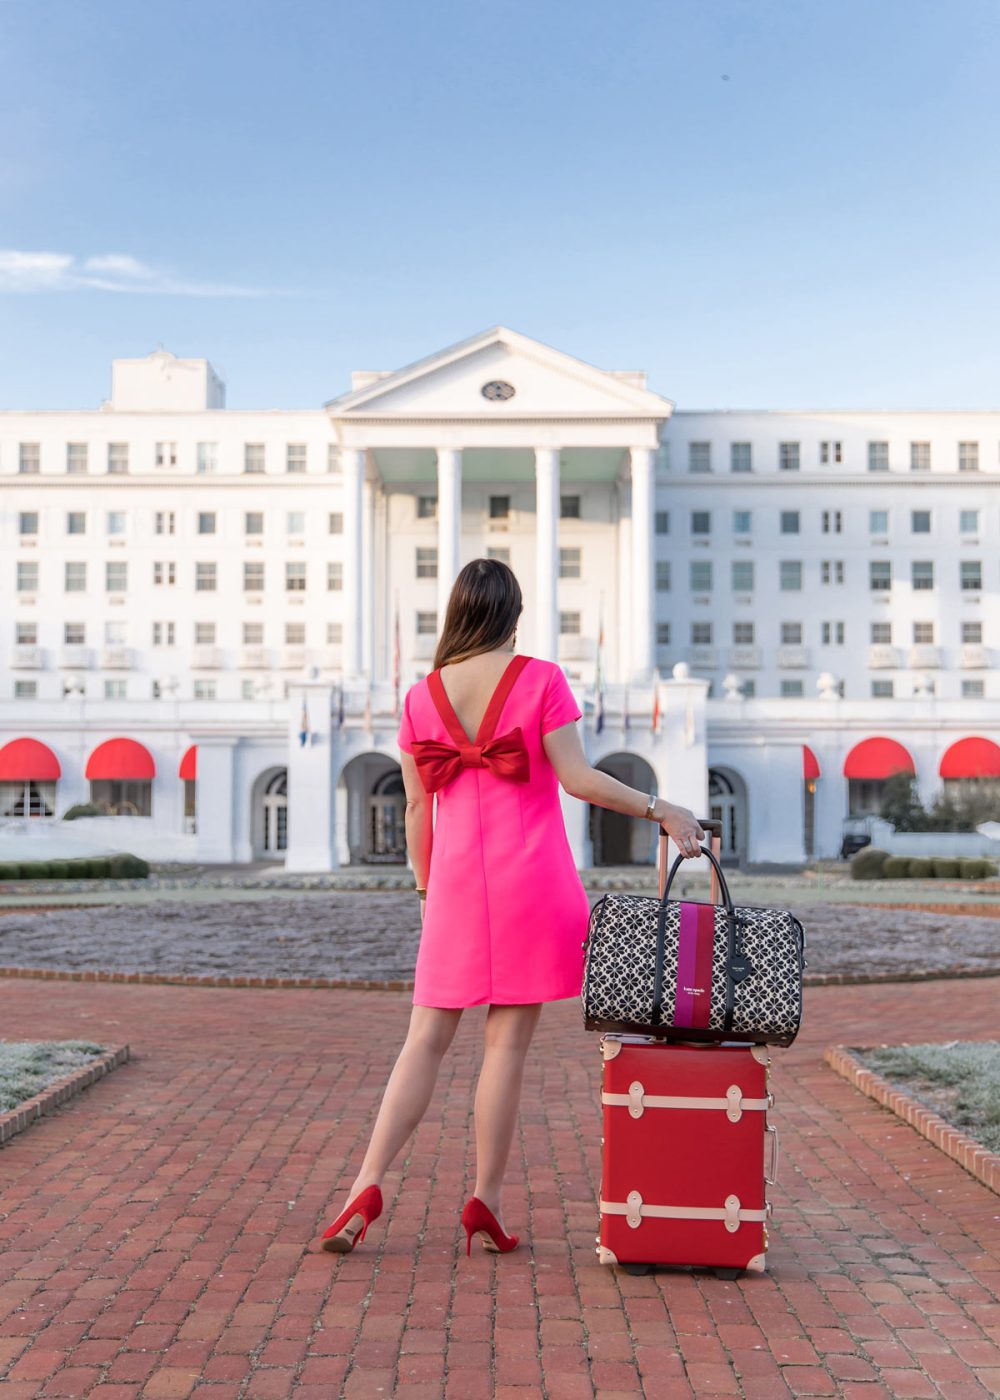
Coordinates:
(119, 867)
(867, 863)
(873, 864)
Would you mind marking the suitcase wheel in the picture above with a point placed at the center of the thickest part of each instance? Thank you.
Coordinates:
(638, 1269)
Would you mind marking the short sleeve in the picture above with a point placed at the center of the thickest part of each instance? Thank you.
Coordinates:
(558, 703)
(405, 735)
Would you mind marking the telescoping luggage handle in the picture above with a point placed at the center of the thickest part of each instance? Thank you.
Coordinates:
(714, 827)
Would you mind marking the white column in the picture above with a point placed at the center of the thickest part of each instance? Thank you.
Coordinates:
(546, 643)
(449, 512)
(353, 461)
(368, 578)
(216, 798)
(311, 822)
(641, 602)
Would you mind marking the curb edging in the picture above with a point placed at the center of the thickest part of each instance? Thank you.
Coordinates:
(15, 1120)
(978, 1160)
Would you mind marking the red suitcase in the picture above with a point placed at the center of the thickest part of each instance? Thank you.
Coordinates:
(683, 1172)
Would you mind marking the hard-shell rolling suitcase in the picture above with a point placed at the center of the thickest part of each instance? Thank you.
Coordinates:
(683, 1169)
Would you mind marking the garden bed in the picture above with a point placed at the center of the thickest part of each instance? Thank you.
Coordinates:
(37, 1076)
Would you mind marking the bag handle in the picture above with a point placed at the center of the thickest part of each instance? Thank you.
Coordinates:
(715, 827)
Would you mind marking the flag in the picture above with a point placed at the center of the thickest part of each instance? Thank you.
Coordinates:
(303, 725)
(340, 705)
(656, 705)
(625, 707)
(368, 706)
(599, 677)
(395, 661)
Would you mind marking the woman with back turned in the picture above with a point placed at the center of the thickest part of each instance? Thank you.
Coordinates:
(504, 912)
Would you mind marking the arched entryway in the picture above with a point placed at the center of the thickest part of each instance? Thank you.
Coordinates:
(616, 838)
(269, 814)
(371, 810)
(727, 803)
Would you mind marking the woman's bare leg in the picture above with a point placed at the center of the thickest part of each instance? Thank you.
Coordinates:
(408, 1090)
(498, 1094)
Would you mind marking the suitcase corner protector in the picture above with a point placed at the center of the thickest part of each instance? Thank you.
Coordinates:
(605, 1255)
(756, 1265)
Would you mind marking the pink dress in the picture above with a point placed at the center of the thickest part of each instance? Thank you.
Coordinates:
(506, 911)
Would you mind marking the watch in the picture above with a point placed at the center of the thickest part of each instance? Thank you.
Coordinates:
(649, 807)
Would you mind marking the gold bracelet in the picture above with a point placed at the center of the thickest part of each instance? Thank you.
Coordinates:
(422, 892)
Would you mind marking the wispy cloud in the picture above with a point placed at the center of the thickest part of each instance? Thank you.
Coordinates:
(108, 272)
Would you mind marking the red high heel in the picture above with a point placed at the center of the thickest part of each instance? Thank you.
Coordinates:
(344, 1233)
(479, 1219)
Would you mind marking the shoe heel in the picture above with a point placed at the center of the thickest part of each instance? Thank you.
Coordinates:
(468, 1242)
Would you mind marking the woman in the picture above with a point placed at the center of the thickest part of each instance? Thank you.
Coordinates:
(503, 909)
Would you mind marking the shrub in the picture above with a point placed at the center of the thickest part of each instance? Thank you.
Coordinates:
(896, 868)
(867, 864)
(100, 867)
(82, 809)
(945, 868)
(9, 870)
(34, 869)
(968, 867)
(59, 870)
(128, 867)
(79, 867)
(920, 868)
(991, 867)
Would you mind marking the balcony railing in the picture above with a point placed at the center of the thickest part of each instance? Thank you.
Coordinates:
(883, 657)
(924, 657)
(792, 658)
(28, 658)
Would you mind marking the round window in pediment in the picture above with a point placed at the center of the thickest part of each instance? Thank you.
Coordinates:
(497, 390)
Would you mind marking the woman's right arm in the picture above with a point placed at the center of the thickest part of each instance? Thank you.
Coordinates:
(565, 752)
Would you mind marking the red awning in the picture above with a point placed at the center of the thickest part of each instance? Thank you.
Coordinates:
(971, 758)
(121, 759)
(810, 763)
(189, 764)
(28, 760)
(877, 758)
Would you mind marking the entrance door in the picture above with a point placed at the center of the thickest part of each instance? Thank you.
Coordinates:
(725, 806)
(387, 819)
(276, 815)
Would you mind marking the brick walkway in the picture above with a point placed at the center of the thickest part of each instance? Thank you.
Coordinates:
(154, 1233)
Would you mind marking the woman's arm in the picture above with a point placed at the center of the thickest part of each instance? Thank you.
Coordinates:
(579, 779)
(418, 819)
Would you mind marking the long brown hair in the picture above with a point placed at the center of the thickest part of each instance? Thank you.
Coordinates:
(483, 609)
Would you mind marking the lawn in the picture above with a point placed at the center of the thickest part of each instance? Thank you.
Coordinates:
(960, 1080)
(29, 1066)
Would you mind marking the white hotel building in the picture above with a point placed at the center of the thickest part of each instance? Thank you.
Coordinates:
(810, 598)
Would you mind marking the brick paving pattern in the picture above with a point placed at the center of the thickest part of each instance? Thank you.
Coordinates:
(156, 1232)
(335, 933)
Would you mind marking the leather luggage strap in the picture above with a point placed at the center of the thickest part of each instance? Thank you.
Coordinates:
(635, 1210)
(734, 1104)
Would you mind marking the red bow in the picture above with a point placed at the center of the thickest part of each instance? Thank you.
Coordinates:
(438, 762)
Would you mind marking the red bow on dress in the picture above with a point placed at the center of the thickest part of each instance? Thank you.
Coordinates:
(438, 762)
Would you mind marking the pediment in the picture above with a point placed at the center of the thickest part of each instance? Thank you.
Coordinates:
(546, 384)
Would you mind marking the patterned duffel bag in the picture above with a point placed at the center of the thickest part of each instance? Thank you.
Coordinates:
(692, 971)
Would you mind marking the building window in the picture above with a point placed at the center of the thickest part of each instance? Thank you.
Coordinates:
(114, 522)
(879, 575)
(830, 452)
(749, 688)
(25, 690)
(968, 456)
(831, 571)
(29, 461)
(833, 634)
(881, 634)
(791, 634)
(498, 551)
(295, 522)
(253, 458)
(164, 574)
(427, 555)
(205, 579)
(295, 457)
(335, 522)
(295, 634)
(701, 575)
(701, 634)
(75, 577)
(972, 633)
(26, 634)
(499, 509)
(741, 522)
(663, 575)
(920, 456)
(27, 522)
(76, 458)
(166, 454)
(878, 522)
(661, 519)
(76, 522)
(333, 462)
(878, 456)
(117, 458)
(968, 522)
(163, 634)
(791, 689)
(742, 574)
(923, 634)
(253, 522)
(701, 522)
(973, 690)
(295, 576)
(920, 522)
(334, 576)
(569, 563)
(206, 522)
(115, 576)
(743, 634)
(204, 634)
(882, 689)
(788, 456)
(74, 634)
(970, 575)
(426, 624)
(790, 575)
(427, 507)
(740, 457)
(922, 574)
(204, 689)
(832, 522)
(569, 624)
(663, 634)
(207, 458)
(569, 507)
(335, 633)
(253, 576)
(27, 576)
(789, 522)
(699, 456)
(253, 634)
(164, 522)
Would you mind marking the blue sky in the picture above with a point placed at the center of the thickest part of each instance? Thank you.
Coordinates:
(773, 205)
